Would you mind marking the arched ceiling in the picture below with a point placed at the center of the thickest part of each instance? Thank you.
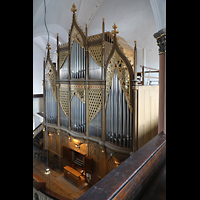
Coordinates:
(135, 20)
(129, 15)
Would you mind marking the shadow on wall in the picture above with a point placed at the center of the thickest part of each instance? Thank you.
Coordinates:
(147, 132)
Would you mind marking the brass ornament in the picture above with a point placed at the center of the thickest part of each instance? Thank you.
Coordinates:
(62, 57)
(77, 36)
(115, 31)
(64, 99)
(96, 53)
(117, 64)
(79, 91)
(73, 9)
(95, 102)
(51, 76)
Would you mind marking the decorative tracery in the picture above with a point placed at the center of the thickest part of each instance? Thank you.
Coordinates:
(117, 64)
(51, 76)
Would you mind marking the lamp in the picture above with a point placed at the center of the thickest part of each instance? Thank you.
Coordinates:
(78, 145)
(47, 171)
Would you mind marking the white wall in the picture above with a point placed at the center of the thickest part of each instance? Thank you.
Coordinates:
(38, 55)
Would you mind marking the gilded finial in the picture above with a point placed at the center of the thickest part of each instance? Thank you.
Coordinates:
(114, 31)
(48, 46)
(73, 9)
(135, 44)
(114, 26)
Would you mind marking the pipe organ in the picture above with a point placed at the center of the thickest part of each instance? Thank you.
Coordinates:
(92, 94)
(90, 69)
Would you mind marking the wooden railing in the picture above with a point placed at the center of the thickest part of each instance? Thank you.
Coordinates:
(142, 74)
(130, 178)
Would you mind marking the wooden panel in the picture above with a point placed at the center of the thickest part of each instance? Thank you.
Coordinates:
(38, 182)
(128, 179)
(88, 164)
(67, 153)
(147, 113)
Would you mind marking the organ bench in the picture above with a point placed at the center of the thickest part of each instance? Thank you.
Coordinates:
(74, 176)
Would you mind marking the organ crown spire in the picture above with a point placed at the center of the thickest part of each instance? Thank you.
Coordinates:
(73, 9)
(115, 31)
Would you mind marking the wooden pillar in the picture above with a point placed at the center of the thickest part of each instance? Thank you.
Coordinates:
(87, 86)
(58, 85)
(44, 93)
(69, 83)
(161, 42)
(58, 105)
(135, 103)
(103, 75)
(44, 98)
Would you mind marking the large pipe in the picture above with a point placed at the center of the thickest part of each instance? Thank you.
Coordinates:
(128, 125)
(124, 121)
(116, 107)
(112, 116)
(84, 128)
(80, 115)
(120, 115)
(131, 129)
(108, 118)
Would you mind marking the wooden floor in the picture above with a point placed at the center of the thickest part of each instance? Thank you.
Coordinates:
(39, 168)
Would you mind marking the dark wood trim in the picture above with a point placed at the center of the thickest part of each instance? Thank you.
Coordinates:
(128, 179)
(37, 95)
(53, 195)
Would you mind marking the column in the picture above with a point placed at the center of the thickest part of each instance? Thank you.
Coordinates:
(86, 86)
(135, 103)
(161, 42)
(58, 85)
(103, 77)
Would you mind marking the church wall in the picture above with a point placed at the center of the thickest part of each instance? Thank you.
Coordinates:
(38, 104)
(148, 97)
(38, 55)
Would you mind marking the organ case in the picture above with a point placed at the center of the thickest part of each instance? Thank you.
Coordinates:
(92, 94)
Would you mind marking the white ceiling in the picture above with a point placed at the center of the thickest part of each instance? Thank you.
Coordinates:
(134, 18)
(129, 15)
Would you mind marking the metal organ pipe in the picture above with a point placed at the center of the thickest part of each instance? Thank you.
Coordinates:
(118, 116)
(51, 105)
(112, 114)
(77, 61)
(77, 115)
(124, 121)
(128, 126)
(115, 107)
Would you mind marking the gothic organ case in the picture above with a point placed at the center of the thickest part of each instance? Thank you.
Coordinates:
(91, 100)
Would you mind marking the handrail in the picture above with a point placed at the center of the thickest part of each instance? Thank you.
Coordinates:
(38, 129)
(129, 179)
(142, 74)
